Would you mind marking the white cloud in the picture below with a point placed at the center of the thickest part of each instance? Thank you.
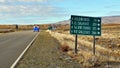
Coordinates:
(7, 10)
(16, 9)
(32, 0)
(2, 0)
(23, 0)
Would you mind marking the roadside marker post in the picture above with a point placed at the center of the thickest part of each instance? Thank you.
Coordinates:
(85, 25)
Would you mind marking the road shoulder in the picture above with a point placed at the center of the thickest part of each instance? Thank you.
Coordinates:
(45, 53)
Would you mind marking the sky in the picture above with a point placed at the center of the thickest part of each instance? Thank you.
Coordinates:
(51, 11)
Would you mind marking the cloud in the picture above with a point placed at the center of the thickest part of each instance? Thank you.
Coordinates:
(23, 0)
(13, 10)
(2, 0)
(31, 0)
(113, 12)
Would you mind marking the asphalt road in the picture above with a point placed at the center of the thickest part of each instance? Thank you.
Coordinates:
(11, 46)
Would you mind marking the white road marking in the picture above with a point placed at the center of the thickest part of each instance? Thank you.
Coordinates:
(21, 55)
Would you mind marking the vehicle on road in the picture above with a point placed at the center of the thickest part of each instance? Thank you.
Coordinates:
(36, 28)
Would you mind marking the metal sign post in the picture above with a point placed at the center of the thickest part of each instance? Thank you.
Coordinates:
(94, 45)
(75, 44)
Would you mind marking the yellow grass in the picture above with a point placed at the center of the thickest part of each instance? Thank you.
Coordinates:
(101, 51)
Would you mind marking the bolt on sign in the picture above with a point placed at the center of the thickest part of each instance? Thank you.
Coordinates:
(84, 25)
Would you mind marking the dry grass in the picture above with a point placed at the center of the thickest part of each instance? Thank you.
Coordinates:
(65, 48)
(106, 46)
(6, 30)
(24, 27)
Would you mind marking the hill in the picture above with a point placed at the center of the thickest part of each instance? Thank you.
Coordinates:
(63, 22)
(105, 20)
(111, 20)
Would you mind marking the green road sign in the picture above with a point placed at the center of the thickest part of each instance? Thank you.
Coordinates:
(84, 25)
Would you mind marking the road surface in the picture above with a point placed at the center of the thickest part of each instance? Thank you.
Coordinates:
(12, 45)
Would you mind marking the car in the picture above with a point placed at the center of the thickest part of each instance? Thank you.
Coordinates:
(36, 29)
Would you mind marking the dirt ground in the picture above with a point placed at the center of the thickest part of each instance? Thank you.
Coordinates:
(45, 53)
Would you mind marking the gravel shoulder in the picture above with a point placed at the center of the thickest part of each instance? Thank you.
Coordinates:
(45, 53)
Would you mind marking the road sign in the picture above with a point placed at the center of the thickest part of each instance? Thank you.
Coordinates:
(84, 25)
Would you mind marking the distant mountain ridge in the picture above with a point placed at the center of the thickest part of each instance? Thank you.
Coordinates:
(111, 20)
(105, 20)
(63, 22)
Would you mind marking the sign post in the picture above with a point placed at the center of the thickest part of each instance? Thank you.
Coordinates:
(94, 45)
(76, 43)
(84, 25)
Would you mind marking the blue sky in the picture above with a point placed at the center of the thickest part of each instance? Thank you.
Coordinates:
(51, 11)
